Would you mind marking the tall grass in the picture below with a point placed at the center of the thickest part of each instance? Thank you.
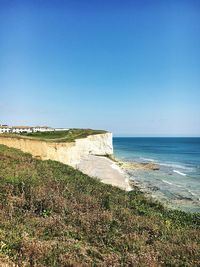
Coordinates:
(54, 215)
(58, 136)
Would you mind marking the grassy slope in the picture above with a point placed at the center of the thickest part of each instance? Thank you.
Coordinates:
(58, 136)
(53, 215)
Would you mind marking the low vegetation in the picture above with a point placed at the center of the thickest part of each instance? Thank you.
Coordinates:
(58, 136)
(54, 215)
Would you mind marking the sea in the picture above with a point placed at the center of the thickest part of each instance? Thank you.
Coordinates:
(177, 182)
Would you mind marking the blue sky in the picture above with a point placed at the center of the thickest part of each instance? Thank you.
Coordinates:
(131, 67)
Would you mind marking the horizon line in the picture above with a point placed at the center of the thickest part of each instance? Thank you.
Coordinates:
(134, 136)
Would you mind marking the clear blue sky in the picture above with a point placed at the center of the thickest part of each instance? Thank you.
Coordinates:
(131, 67)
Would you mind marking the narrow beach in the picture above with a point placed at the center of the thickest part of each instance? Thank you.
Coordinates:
(105, 169)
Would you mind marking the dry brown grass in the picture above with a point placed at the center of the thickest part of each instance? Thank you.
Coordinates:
(53, 215)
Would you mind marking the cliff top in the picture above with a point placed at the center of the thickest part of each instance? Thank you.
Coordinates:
(57, 136)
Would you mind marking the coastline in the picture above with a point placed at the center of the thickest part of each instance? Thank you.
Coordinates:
(105, 169)
(137, 170)
(170, 169)
(127, 175)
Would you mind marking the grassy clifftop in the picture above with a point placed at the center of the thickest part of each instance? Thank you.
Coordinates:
(53, 215)
(58, 136)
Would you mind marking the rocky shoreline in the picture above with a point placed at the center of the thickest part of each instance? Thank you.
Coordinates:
(128, 168)
(173, 200)
(124, 174)
(138, 165)
(113, 171)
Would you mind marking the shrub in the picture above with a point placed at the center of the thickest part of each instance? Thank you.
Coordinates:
(54, 215)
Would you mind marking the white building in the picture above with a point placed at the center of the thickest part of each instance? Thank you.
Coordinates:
(4, 129)
(28, 129)
(21, 129)
(42, 129)
(61, 129)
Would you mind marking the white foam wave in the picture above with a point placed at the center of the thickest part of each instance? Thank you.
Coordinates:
(192, 193)
(178, 172)
(148, 159)
(167, 182)
(175, 166)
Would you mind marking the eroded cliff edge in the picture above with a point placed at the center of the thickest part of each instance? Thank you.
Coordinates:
(85, 154)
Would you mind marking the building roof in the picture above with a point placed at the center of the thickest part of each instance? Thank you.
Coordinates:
(22, 127)
(41, 127)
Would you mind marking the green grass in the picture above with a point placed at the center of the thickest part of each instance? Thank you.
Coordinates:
(54, 215)
(58, 136)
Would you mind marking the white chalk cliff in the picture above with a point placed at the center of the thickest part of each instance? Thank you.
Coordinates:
(80, 154)
(69, 153)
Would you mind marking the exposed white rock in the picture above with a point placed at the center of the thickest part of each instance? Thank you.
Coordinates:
(66, 152)
(81, 154)
(105, 170)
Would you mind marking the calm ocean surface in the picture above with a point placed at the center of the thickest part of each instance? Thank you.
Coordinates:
(177, 183)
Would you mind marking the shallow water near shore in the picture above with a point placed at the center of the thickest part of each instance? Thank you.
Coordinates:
(177, 182)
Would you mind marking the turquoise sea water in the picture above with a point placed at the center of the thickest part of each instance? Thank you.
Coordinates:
(177, 183)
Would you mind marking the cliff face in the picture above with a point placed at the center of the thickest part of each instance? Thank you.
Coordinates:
(68, 153)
